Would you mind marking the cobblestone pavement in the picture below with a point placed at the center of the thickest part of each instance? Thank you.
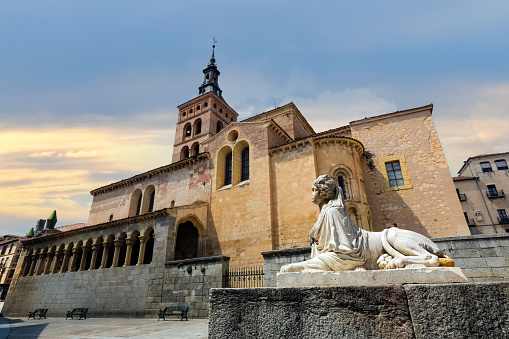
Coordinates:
(21, 328)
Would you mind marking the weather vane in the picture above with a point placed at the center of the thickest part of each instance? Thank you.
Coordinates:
(215, 42)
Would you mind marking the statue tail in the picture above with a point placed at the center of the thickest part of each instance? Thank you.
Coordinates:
(388, 247)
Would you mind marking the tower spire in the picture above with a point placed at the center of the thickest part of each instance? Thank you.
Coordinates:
(210, 76)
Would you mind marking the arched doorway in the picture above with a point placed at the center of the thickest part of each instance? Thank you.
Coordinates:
(186, 245)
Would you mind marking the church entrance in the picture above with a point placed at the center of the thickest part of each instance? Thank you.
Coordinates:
(186, 245)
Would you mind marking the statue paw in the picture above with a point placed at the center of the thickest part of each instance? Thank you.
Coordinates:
(397, 262)
(383, 261)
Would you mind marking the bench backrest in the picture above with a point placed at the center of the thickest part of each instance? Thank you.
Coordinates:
(41, 310)
(80, 310)
(176, 308)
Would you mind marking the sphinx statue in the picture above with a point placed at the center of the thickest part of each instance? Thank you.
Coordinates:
(338, 244)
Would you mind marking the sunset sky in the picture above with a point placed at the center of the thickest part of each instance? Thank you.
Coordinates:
(89, 89)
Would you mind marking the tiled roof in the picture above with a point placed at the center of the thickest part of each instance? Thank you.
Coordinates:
(71, 227)
(461, 178)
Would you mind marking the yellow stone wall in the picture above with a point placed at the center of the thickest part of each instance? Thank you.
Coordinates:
(428, 203)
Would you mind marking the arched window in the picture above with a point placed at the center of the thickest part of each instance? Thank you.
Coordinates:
(341, 183)
(111, 218)
(219, 126)
(151, 203)
(244, 175)
(186, 245)
(172, 204)
(184, 154)
(187, 130)
(197, 127)
(135, 204)
(138, 206)
(228, 169)
(196, 149)
(135, 251)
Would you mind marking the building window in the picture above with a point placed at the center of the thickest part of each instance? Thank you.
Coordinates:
(244, 175)
(219, 126)
(205, 104)
(492, 190)
(198, 107)
(485, 166)
(502, 216)
(196, 149)
(228, 169)
(185, 153)
(188, 130)
(501, 164)
(111, 218)
(394, 174)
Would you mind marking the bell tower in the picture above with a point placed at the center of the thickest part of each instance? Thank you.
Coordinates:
(202, 117)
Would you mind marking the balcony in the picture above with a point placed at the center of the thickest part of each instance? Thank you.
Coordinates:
(492, 194)
(503, 220)
(462, 196)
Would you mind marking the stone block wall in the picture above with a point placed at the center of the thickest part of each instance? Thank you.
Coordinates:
(188, 283)
(482, 257)
(273, 260)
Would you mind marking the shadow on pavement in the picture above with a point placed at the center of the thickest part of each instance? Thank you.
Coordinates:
(32, 329)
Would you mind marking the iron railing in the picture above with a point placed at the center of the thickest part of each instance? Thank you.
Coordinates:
(244, 277)
(495, 194)
(503, 220)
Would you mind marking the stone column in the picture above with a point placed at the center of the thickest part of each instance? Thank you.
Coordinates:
(106, 247)
(33, 263)
(130, 242)
(65, 262)
(75, 252)
(118, 244)
(95, 249)
(143, 245)
(51, 255)
(58, 255)
(83, 262)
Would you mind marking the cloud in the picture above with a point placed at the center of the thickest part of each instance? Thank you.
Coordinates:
(475, 123)
(55, 166)
(330, 110)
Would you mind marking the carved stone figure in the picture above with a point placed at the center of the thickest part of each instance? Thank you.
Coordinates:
(338, 244)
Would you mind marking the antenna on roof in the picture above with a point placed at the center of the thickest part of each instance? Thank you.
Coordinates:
(274, 102)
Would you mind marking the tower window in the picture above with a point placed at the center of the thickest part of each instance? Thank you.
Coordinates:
(228, 169)
(220, 110)
(205, 104)
(219, 126)
(226, 115)
(188, 130)
(197, 127)
(191, 110)
(215, 106)
(244, 175)
(198, 107)
(184, 113)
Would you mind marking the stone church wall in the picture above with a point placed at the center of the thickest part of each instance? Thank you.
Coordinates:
(428, 204)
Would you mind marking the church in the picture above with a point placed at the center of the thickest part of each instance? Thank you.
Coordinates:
(233, 190)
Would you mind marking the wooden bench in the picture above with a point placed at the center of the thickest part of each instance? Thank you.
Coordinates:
(41, 312)
(174, 310)
(81, 311)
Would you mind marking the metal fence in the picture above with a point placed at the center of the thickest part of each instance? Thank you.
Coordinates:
(244, 277)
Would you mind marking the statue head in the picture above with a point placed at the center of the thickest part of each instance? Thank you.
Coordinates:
(324, 189)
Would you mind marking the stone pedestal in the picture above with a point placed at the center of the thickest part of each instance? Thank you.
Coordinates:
(434, 311)
(421, 275)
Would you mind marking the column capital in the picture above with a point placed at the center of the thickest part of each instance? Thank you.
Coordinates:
(118, 243)
(95, 247)
(143, 238)
(130, 241)
(106, 244)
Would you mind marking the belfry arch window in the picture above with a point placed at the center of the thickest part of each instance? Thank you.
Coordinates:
(184, 154)
(228, 169)
(148, 199)
(186, 245)
(188, 130)
(197, 127)
(196, 149)
(219, 126)
(151, 203)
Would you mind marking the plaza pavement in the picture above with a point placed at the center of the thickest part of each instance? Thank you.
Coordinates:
(55, 328)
